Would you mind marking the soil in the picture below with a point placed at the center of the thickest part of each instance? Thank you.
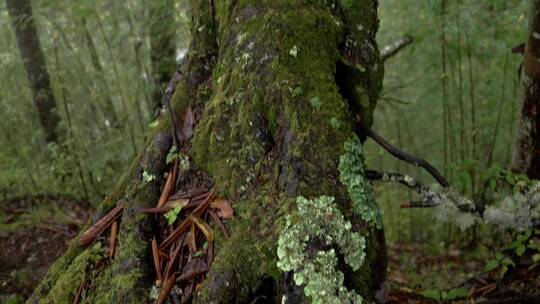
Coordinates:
(28, 250)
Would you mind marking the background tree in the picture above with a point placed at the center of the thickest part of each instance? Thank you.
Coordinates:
(526, 157)
(32, 56)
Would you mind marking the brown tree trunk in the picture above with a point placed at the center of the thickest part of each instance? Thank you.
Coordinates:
(162, 48)
(34, 62)
(526, 155)
(277, 88)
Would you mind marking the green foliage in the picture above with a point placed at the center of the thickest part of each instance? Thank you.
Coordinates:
(347, 3)
(444, 296)
(95, 150)
(147, 177)
(315, 102)
(410, 114)
(172, 155)
(500, 262)
(172, 215)
(315, 220)
(335, 123)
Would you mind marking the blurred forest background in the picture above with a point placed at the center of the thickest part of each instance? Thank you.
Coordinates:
(452, 97)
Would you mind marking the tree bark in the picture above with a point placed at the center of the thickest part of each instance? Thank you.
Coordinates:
(277, 88)
(32, 56)
(526, 155)
(162, 48)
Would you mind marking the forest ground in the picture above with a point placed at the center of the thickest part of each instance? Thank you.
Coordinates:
(34, 232)
(32, 237)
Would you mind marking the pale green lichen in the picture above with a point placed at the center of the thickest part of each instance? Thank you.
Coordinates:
(319, 219)
(351, 174)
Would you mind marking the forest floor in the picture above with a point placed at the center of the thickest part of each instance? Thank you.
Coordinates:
(34, 231)
(418, 273)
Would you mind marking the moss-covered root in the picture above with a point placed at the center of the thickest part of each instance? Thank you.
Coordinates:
(80, 269)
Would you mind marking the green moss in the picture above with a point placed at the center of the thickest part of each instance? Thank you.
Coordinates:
(314, 220)
(352, 175)
(66, 286)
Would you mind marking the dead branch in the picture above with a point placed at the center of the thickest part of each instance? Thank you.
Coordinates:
(417, 161)
(394, 47)
(405, 180)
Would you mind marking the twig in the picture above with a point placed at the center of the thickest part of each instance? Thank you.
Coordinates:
(417, 204)
(77, 299)
(417, 161)
(97, 229)
(397, 178)
(394, 47)
(155, 255)
(166, 190)
(112, 240)
(216, 219)
(173, 118)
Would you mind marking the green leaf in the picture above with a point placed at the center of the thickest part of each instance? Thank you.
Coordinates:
(507, 262)
(347, 3)
(515, 244)
(172, 215)
(315, 102)
(536, 257)
(492, 184)
(504, 269)
(524, 236)
(499, 256)
(433, 294)
(147, 177)
(520, 250)
(491, 265)
(510, 178)
(457, 293)
(534, 245)
(172, 155)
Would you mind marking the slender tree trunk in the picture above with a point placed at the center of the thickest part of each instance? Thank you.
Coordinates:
(162, 48)
(32, 56)
(109, 111)
(526, 155)
(276, 88)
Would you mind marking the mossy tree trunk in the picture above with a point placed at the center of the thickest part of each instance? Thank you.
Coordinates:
(278, 86)
(526, 158)
(33, 59)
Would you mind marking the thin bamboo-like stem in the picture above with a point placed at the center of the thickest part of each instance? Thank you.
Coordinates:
(462, 126)
(499, 115)
(444, 85)
(117, 76)
(473, 111)
(110, 111)
(70, 125)
(142, 67)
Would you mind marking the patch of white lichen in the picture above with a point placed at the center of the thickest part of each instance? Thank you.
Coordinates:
(319, 220)
(351, 174)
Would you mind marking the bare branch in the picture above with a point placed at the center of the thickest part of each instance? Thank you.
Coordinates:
(396, 46)
(417, 161)
(397, 178)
